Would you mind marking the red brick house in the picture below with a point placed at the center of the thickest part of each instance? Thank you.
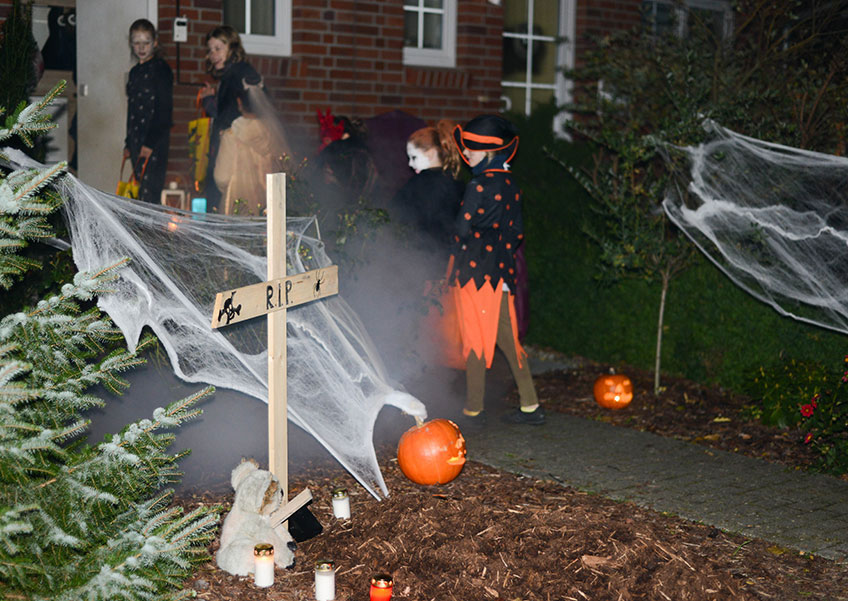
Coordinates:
(430, 58)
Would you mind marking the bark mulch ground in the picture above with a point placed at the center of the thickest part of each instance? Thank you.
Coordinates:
(491, 535)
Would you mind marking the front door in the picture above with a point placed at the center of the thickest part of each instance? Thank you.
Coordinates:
(103, 60)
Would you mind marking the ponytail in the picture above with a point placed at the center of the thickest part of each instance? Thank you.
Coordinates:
(451, 159)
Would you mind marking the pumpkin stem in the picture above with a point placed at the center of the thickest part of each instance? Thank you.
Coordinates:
(418, 421)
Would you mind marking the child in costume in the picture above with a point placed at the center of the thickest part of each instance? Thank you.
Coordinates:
(489, 230)
(227, 62)
(429, 200)
(150, 87)
(248, 151)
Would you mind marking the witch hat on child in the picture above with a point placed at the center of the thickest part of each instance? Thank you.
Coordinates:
(489, 133)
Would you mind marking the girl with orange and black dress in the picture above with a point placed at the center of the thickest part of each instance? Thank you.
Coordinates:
(489, 230)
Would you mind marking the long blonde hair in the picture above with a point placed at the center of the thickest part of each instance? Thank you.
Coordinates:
(441, 138)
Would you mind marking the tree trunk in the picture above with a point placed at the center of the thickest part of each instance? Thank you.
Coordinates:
(666, 277)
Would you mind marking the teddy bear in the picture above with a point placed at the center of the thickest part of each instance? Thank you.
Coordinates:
(257, 495)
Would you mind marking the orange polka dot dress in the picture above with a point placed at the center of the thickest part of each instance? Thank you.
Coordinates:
(489, 229)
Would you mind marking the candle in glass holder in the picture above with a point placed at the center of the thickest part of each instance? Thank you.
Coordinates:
(381, 587)
(263, 565)
(325, 581)
(341, 504)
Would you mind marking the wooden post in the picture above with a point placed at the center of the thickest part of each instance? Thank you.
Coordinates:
(277, 397)
(272, 298)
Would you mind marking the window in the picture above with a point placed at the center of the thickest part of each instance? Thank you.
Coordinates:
(429, 33)
(664, 16)
(263, 25)
(537, 44)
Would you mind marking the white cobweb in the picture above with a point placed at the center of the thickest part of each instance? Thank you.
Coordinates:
(773, 218)
(337, 382)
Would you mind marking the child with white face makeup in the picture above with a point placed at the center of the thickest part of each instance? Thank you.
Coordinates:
(429, 200)
(149, 90)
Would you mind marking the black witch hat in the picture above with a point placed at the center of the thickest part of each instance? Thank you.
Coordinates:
(490, 133)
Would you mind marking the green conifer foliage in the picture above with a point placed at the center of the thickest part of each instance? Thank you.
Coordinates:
(79, 521)
(17, 51)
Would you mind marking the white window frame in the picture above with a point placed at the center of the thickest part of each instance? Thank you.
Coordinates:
(432, 57)
(279, 44)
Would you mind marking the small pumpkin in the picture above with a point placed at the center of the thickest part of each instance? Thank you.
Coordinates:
(613, 391)
(432, 452)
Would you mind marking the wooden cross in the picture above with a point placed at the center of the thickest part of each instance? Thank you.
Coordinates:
(272, 298)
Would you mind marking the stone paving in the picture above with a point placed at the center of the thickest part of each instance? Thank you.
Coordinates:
(794, 509)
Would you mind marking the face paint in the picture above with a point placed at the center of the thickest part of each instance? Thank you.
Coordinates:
(418, 159)
(142, 44)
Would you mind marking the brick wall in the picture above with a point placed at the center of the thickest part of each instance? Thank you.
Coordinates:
(346, 56)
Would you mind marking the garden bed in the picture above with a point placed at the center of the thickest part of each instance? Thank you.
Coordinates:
(494, 535)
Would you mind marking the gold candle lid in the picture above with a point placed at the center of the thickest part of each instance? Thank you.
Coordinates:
(382, 581)
(263, 550)
(324, 565)
(339, 493)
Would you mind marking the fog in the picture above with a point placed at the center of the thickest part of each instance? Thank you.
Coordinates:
(385, 287)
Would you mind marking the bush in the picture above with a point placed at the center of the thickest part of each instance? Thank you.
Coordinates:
(714, 332)
(825, 420)
(779, 390)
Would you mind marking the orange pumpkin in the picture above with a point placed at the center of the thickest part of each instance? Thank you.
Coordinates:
(613, 391)
(432, 452)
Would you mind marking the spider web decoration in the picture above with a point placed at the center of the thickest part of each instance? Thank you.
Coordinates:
(337, 383)
(773, 218)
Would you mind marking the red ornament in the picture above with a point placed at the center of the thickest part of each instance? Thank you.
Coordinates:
(432, 452)
(614, 391)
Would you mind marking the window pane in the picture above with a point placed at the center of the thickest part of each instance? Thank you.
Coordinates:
(514, 59)
(544, 62)
(546, 17)
(433, 4)
(410, 2)
(234, 14)
(262, 17)
(514, 99)
(540, 97)
(515, 16)
(410, 29)
(657, 17)
(432, 31)
(711, 20)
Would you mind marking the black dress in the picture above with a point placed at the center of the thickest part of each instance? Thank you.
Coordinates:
(428, 203)
(149, 110)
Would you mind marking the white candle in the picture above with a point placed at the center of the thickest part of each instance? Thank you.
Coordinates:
(263, 565)
(341, 504)
(325, 581)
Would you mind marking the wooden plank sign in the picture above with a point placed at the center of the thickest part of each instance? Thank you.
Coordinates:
(247, 302)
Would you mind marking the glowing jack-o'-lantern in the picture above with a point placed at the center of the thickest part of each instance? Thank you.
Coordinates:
(613, 391)
(432, 452)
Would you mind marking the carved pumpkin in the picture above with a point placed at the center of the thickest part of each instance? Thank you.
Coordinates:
(613, 391)
(432, 452)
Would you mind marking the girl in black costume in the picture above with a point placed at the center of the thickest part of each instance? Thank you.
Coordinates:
(150, 89)
(226, 62)
(428, 202)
